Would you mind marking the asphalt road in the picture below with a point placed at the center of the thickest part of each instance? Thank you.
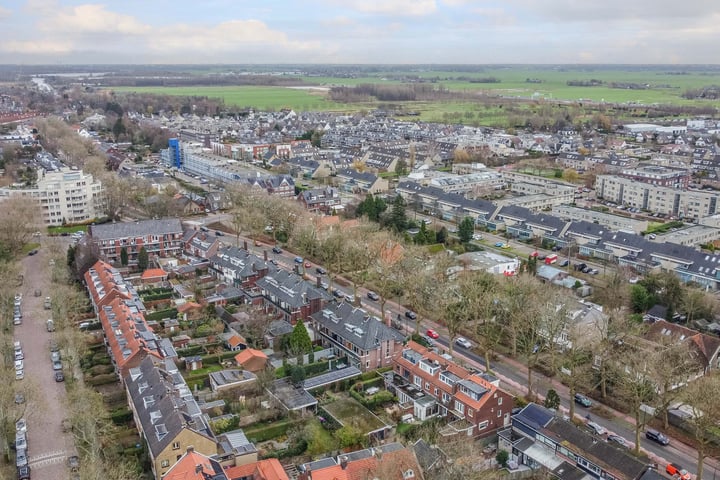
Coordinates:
(48, 445)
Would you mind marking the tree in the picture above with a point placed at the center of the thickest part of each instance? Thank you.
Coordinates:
(635, 387)
(70, 255)
(123, 256)
(299, 342)
(19, 218)
(119, 129)
(552, 400)
(143, 259)
(297, 374)
(466, 229)
(441, 236)
(502, 457)
(702, 397)
(671, 367)
(640, 299)
(397, 218)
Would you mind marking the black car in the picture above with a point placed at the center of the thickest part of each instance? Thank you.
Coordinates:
(411, 315)
(658, 437)
(59, 376)
(23, 473)
(33, 251)
(277, 249)
(579, 266)
(218, 233)
(582, 400)
(556, 248)
(320, 271)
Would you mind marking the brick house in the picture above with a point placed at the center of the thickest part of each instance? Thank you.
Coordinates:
(428, 384)
(365, 341)
(161, 238)
(323, 200)
(290, 296)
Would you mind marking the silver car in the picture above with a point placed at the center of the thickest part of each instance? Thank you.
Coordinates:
(463, 342)
(21, 458)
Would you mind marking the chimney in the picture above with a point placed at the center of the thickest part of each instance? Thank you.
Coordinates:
(265, 255)
(190, 449)
(343, 462)
(198, 469)
(379, 453)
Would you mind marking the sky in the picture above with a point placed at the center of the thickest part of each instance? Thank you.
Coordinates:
(360, 31)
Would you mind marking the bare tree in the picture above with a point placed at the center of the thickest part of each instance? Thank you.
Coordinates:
(635, 386)
(19, 218)
(702, 397)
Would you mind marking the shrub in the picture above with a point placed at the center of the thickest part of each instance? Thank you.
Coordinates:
(121, 416)
(161, 314)
(102, 379)
(264, 432)
(502, 457)
(100, 369)
(225, 424)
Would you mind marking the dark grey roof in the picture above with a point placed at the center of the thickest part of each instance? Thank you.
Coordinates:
(568, 471)
(356, 326)
(658, 311)
(290, 289)
(364, 177)
(428, 456)
(601, 453)
(319, 464)
(163, 404)
(292, 397)
(235, 442)
(587, 229)
(280, 327)
(109, 231)
(331, 376)
(534, 416)
(242, 263)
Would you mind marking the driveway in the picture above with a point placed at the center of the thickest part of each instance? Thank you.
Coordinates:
(48, 446)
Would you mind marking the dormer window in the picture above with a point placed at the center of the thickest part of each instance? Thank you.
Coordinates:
(408, 474)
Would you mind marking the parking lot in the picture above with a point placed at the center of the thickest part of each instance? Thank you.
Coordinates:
(48, 445)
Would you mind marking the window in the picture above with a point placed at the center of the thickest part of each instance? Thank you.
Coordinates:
(165, 463)
(418, 381)
(499, 413)
(483, 425)
(427, 386)
(176, 445)
(470, 412)
(459, 407)
(500, 401)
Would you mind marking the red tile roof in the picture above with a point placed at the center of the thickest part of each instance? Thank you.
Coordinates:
(154, 273)
(251, 359)
(191, 466)
(390, 466)
(235, 341)
(269, 469)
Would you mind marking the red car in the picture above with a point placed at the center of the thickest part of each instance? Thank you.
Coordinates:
(307, 265)
(432, 333)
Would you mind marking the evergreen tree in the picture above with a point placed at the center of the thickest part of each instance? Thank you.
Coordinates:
(397, 219)
(441, 235)
(466, 229)
(143, 259)
(299, 342)
(71, 256)
(123, 257)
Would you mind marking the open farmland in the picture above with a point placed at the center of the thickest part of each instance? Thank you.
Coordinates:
(262, 98)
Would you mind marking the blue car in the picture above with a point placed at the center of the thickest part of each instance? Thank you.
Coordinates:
(298, 260)
(499, 244)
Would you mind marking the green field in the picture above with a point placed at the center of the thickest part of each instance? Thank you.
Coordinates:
(263, 98)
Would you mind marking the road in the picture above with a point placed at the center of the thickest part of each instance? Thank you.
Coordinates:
(48, 445)
(512, 374)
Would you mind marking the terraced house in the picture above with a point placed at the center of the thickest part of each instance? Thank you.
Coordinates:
(428, 384)
(161, 238)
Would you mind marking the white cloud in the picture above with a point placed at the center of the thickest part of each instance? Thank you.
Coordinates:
(5, 13)
(94, 18)
(393, 7)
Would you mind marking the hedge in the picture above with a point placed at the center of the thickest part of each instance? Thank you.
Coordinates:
(102, 379)
(373, 401)
(329, 422)
(121, 416)
(157, 296)
(101, 369)
(190, 351)
(311, 369)
(161, 314)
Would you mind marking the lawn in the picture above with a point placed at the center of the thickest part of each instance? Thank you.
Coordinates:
(73, 229)
(347, 411)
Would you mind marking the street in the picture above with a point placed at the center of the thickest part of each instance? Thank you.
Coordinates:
(48, 445)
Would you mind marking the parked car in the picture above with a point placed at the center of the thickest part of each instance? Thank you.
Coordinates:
(656, 436)
(596, 428)
(23, 473)
(21, 426)
(21, 440)
(411, 315)
(350, 298)
(463, 342)
(617, 439)
(73, 463)
(337, 293)
(298, 260)
(373, 296)
(19, 365)
(581, 399)
(19, 398)
(19, 355)
(556, 248)
(218, 233)
(277, 249)
(428, 341)
(54, 356)
(57, 365)
(320, 271)
(19, 374)
(675, 470)
(21, 459)
(565, 263)
(307, 265)
(432, 333)
(579, 266)
(499, 244)
(477, 236)
(59, 376)
(33, 252)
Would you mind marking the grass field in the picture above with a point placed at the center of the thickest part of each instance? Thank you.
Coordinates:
(263, 98)
(348, 411)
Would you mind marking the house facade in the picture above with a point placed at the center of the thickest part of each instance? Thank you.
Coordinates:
(428, 384)
(364, 340)
(161, 238)
(289, 296)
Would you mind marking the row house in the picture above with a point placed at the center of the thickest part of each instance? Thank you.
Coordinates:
(166, 415)
(540, 440)
(523, 224)
(289, 296)
(428, 384)
(361, 182)
(323, 200)
(237, 267)
(364, 340)
(202, 245)
(127, 336)
(161, 238)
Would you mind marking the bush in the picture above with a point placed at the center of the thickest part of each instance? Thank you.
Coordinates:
(102, 379)
(293, 451)
(121, 416)
(502, 457)
(161, 314)
(100, 369)
(225, 424)
(264, 432)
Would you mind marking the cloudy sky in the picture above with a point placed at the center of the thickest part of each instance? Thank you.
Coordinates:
(359, 31)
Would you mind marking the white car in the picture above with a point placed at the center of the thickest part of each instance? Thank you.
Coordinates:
(21, 426)
(596, 429)
(477, 236)
(463, 342)
(19, 374)
(19, 365)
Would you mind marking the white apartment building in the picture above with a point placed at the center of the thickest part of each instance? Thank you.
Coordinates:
(653, 198)
(65, 196)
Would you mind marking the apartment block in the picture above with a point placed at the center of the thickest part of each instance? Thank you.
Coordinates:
(162, 238)
(65, 196)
